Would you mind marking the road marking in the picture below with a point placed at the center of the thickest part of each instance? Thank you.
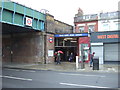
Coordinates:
(21, 70)
(12, 69)
(90, 86)
(28, 71)
(25, 79)
(82, 75)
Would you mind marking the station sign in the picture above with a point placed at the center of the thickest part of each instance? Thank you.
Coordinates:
(51, 39)
(72, 35)
(28, 21)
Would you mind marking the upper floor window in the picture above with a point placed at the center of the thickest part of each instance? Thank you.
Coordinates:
(81, 29)
(91, 28)
(104, 15)
(106, 27)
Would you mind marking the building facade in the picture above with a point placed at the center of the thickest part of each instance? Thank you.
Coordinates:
(85, 24)
(106, 42)
(103, 30)
(54, 27)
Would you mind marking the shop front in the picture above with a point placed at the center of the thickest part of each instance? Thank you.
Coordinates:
(106, 46)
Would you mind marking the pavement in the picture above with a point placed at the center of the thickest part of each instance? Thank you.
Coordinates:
(64, 66)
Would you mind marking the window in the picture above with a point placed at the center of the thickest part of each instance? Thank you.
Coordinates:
(91, 28)
(117, 26)
(105, 27)
(104, 15)
(81, 29)
(87, 17)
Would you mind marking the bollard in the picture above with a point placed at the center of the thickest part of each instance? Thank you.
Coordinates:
(76, 62)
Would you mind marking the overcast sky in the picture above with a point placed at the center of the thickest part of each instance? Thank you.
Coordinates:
(65, 10)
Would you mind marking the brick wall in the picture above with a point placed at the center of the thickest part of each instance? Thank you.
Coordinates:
(86, 26)
(23, 48)
(54, 27)
(49, 47)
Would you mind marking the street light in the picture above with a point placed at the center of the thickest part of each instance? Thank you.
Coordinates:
(44, 11)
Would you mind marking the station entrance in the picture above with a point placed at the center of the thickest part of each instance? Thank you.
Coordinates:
(67, 46)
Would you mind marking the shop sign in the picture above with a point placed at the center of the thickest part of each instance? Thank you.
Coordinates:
(108, 36)
(112, 36)
(28, 21)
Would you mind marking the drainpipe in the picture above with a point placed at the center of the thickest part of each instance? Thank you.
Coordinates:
(45, 48)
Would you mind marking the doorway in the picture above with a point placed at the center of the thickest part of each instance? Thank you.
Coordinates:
(67, 46)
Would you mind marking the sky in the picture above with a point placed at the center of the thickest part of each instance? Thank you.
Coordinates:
(65, 10)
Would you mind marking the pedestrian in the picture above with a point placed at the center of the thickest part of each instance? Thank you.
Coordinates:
(58, 58)
(71, 57)
(91, 58)
(55, 55)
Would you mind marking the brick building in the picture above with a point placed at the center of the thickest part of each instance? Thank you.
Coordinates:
(53, 27)
(103, 30)
(85, 24)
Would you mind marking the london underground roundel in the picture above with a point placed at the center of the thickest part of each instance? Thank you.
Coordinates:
(28, 21)
(51, 39)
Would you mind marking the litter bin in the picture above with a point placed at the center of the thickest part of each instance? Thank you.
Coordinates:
(95, 63)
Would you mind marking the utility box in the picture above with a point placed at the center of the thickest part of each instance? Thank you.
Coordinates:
(95, 63)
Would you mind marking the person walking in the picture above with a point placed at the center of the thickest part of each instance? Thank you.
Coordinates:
(58, 58)
(55, 55)
(91, 58)
(71, 57)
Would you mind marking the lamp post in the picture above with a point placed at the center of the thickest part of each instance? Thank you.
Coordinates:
(44, 11)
